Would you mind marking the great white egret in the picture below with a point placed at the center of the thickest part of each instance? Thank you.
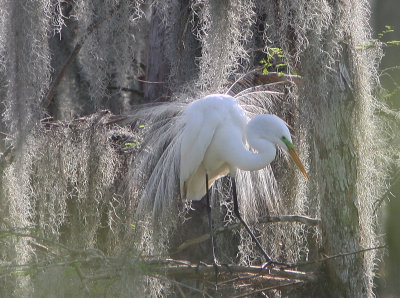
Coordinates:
(213, 145)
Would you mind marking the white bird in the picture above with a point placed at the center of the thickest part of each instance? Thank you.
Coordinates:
(213, 145)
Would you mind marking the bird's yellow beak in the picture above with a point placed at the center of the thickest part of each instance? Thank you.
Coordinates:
(296, 159)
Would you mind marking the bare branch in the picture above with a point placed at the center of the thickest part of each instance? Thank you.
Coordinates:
(340, 255)
(265, 219)
(248, 294)
(193, 271)
(53, 87)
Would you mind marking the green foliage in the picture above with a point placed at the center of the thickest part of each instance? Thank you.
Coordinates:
(390, 72)
(275, 62)
(130, 146)
(393, 42)
(387, 30)
(132, 143)
(272, 61)
(379, 41)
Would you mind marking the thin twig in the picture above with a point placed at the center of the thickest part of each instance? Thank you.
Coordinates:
(26, 235)
(248, 294)
(149, 82)
(340, 255)
(53, 87)
(6, 153)
(265, 219)
(258, 92)
(182, 285)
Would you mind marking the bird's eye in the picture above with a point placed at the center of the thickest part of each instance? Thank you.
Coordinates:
(287, 142)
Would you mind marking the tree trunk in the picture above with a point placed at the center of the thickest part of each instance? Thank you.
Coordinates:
(339, 106)
(157, 68)
(336, 172)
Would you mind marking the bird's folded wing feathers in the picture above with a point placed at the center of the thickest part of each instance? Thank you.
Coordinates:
(196, 138)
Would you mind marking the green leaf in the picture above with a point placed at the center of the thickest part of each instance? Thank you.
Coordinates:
(393, 42)
(21, 272)
(281, 65)
(131, 143)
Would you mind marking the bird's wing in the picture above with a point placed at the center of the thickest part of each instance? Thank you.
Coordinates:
(196, 138)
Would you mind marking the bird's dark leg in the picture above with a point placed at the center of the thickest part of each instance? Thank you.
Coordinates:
(211, 230)
(236, 211)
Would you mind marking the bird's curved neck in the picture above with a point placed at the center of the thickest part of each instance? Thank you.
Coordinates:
(253, 161)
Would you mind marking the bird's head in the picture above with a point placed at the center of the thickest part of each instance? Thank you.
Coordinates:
(284, 140)
(275, 130)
